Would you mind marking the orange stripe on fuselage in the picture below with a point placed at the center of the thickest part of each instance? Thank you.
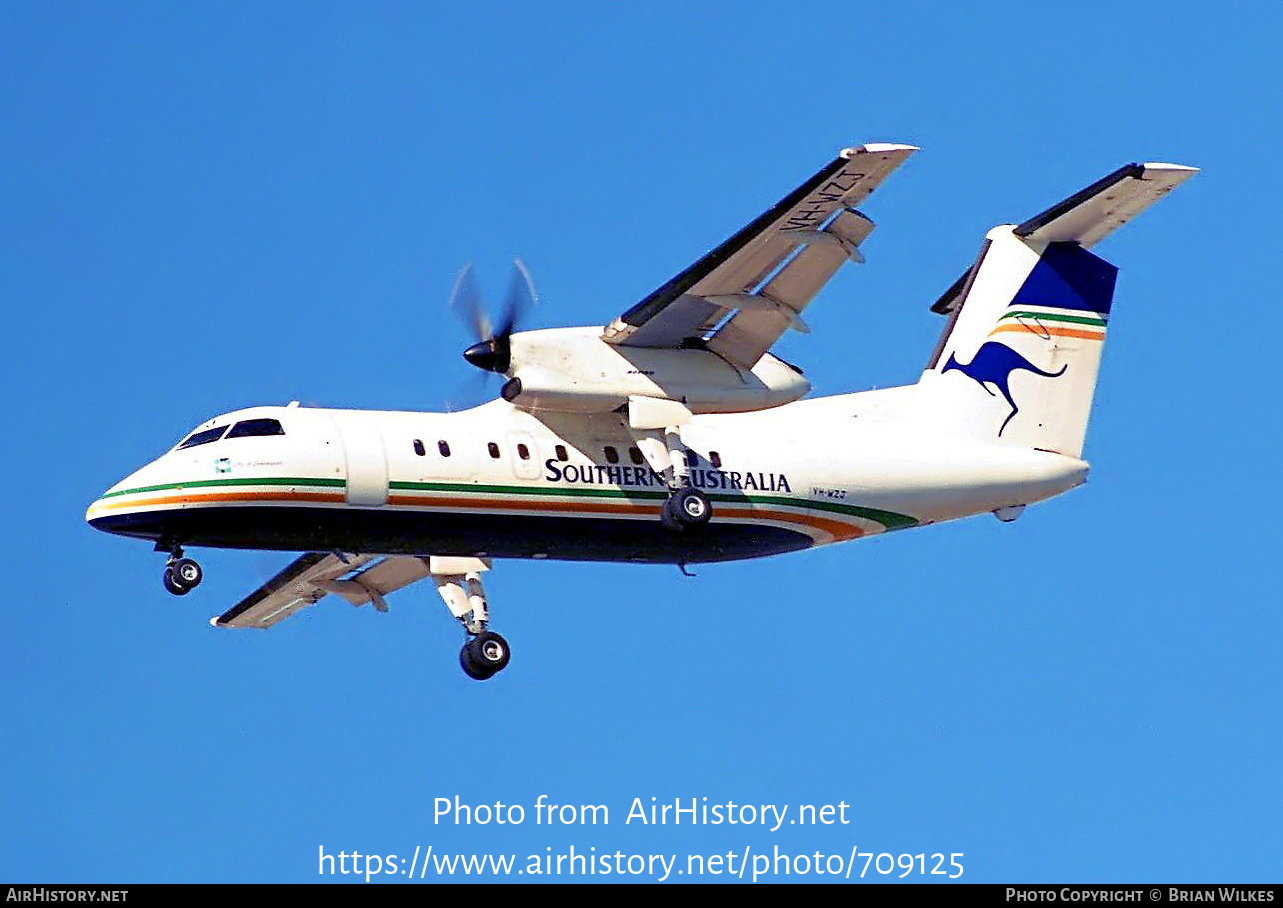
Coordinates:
(835, 528)
(1044, 329)
(500, 504)
(222, 496)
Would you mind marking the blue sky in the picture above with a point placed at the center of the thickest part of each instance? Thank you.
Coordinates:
(207, 208)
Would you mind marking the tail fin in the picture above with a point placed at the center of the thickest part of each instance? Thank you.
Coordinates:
(1028, 320)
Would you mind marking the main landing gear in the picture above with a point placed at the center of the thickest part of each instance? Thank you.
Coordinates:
(686, 508)
(458, 580)
(182, 575)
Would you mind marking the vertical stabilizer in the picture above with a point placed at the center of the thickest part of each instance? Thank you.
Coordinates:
(1018, 361)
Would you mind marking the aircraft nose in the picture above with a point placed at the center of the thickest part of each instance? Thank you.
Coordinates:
(101, 506)
(97, 513)
(111, 506)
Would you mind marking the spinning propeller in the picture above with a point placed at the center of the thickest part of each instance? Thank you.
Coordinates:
(493, 350)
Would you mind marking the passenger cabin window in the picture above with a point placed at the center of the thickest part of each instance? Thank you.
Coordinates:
(493, 449)
(203, 438)
(561, 452)
(715, 459)
(444, 447)
(612, 456)
(635, 455)
(692, 459)
(419, 448)
(523, 452)
(250, 428)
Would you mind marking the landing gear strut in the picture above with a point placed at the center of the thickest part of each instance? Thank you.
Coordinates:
(182, 575)
(656, 428)
(686, 508)
(458, 580)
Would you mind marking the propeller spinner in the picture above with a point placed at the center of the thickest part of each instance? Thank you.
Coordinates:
(493, 350)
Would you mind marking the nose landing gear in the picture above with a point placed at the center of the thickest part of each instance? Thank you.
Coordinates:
(182, 575)
(458, 580)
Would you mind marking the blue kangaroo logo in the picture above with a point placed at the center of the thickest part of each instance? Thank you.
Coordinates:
(993, 365)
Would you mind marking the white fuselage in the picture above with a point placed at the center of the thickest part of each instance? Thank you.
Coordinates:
(498, 481)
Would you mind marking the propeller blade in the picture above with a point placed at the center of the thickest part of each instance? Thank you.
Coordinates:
(472, 392)
(521, 297)
(465, 300)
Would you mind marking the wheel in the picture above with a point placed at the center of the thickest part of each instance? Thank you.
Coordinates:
(484, 656)
(489, 651)
(187, 572)
(173, 584)
(470, 668)
(686, 509)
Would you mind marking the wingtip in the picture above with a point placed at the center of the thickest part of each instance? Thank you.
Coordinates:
(877, 148)
(1175, 168)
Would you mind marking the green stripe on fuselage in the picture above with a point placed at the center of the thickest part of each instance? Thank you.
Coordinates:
(207, 483)
(522, 490)
(889, 519)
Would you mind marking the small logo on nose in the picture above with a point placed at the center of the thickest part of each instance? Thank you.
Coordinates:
(223, 465)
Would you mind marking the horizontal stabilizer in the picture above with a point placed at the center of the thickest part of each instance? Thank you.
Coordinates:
(1087, 216)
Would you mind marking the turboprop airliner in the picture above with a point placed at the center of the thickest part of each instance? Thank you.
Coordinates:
(671, 435)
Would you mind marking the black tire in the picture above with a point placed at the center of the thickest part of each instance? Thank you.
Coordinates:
(173, 584)
(470, 668)
(187, 573)
(490, 650)
(485, 655)
(687, 509)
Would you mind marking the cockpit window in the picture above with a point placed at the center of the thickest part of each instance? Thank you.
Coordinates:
(247, 428)
(203, 438)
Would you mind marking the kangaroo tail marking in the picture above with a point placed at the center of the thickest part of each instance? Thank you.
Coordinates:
(993, 364)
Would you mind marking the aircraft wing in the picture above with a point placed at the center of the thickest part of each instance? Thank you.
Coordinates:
(360, 579)
(765, 274)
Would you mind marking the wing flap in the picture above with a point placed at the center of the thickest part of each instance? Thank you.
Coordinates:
(383, 577)
(752, 330)
(359, 579)
(685, 308)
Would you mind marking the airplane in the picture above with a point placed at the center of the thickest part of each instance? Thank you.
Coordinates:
(671, 435)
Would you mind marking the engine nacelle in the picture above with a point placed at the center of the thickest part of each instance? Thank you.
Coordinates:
(573, 369)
